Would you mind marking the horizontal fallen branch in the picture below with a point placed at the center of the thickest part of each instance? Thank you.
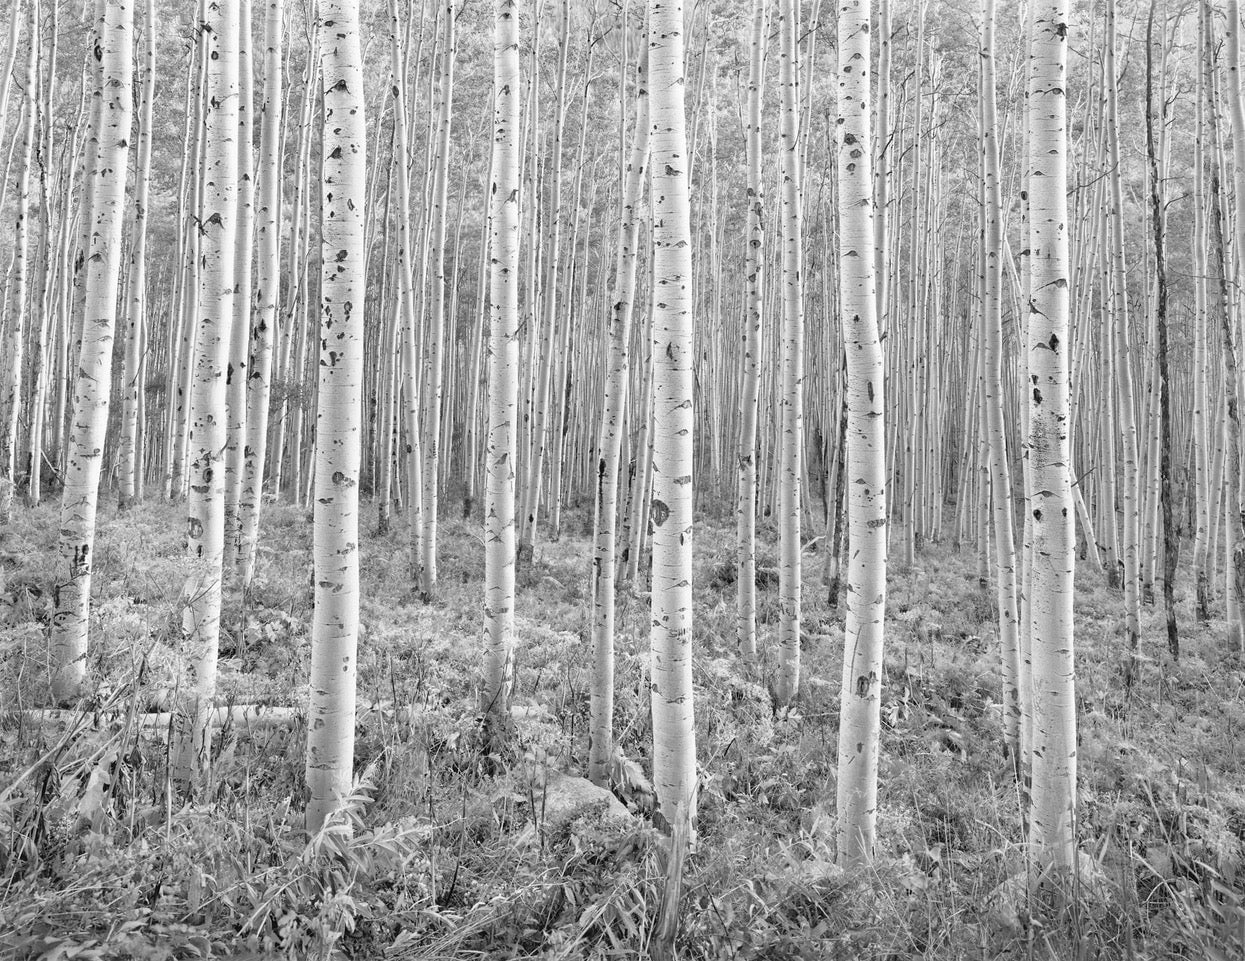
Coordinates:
(248, 716)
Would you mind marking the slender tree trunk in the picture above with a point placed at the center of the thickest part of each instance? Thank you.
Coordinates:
(1171, 545)
(205, 503)
(131, 397)
(670, 511)
(240, 337)
(10, 58)
(92, 384)
(18, 290)
(339, 418)
(267, 298)
(548, 314)
(435, 359)
(1202, 388)
(192, 265)
(1051, 504)
(406, 298)
(1130, 475)
(503, 357)
(1235, 99)
(992, 382)
(754, 273)
(860, 721)
(614, 403)
(56, 264)
(1235, 531)
(792, 391)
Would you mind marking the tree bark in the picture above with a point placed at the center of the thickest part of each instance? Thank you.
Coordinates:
(860, 722)
(670, 510)
(503, 376)
(205, 502)
(792, 391)
(754, 278)
(92, 384)
(339, 417)
(267, 298)
(614, 403)
(1051, 505)
(992, 383)
(131, 458)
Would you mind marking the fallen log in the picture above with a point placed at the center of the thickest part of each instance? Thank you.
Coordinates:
(248, 716)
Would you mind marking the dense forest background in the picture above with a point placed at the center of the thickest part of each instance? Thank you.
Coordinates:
(422, 536)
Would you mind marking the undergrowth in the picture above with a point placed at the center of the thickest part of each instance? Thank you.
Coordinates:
(443, 853)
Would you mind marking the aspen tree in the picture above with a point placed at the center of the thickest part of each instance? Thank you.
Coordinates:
(53, 267)
(614, 402)
(754, 273)
(1235, 99)
(1157, 227)
(909, 425)
(205, 502)
(1052, 816)
(387, 371)
(1130, 479)
(294, 305)
(860, 721)
(18, 290)
(1234, 529)
(131, 397)
(435, 356)
(567, 352)
(406, 295)
(472, 445)
(477, 356)
(92, 383)
(792, 391)
(993, 397)
(882, 152)
(670, 510)
(1203, 415)
(10, 58)
(503, 356)
(56, 259)
(192, 264)
(642, 465)
(6, 83)
(239, 338)
(339, 423)
(545, 332)
(267, 297)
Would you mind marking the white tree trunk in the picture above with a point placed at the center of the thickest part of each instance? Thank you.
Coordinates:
(670, 510)
(267, 298)
(503, 370)
(240, 340)
(205, 502)
(994, 401)
(435, 359)
(791, 397)
(1130, 474)
(1235, 100)
(13, 351)
(614, 404)
(754, 275)
(93, 381)
(131, 456)
(860, 724)
(406, 295)
(339, 418)
(1051, 506)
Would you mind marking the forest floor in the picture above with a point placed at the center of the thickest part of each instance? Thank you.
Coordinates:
(454, 855)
